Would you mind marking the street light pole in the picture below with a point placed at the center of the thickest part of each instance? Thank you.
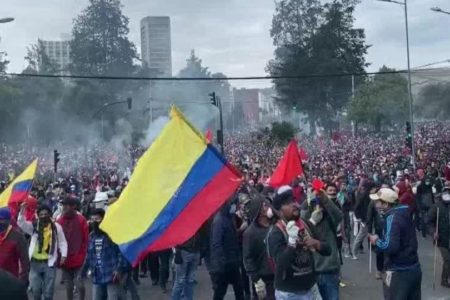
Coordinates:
(6, 20)
(440, 10)
(411, 109)
(410, 95)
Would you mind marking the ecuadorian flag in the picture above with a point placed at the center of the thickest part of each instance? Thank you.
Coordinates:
(177, 184)
(19, 189)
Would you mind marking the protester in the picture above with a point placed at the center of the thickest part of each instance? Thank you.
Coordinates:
(13, 248)
(325, 216)
(424, 200)
(360, 210)
(47, 240)
(441, 235)
(163, 258)
(187, 259)
(76, 231)
(375, 225)
(255, 257)
(292, 244)
(399, 244)
(224, 257)
(105, 261)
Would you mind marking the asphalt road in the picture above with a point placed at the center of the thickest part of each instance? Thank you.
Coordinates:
(360, 283)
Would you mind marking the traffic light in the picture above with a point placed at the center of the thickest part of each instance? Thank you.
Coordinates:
(408, 135)
(55, 160)
(213, 98)
(129, 102)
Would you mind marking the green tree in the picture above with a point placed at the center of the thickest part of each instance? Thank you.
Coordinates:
(100, 44)
(311, 38)
(381, 101)
(434, 102)
(42, 97)
(38, 60)
(282, 132)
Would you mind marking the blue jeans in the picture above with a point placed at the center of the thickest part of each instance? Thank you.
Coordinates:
(279, 295)
(328, 285)
(42, 280)
(183, 287)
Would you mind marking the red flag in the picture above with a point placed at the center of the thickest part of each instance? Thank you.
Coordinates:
(289, 167)
(209, 136)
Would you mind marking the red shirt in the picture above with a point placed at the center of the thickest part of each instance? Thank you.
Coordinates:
(14, 253)
(76, 231)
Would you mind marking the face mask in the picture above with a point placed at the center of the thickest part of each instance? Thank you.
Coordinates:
(446, 197)
(44, 221)
(269, 213)
(232, 209)
(332, 196)
(95, 226)
(3, 226)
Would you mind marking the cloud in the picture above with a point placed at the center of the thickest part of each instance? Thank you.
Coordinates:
(233, 36)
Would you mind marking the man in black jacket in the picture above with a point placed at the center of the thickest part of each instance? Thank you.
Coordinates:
(224, 260)
(399, 244)
(360, 209)
(425, 200)
(255, 257)
(442, 235)
(291, 243)
(187, 259)
(375, 224)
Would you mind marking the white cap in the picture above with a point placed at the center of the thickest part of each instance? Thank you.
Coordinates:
(283, 189)
(385, 195)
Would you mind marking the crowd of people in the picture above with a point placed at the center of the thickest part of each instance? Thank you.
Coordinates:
(284, 242)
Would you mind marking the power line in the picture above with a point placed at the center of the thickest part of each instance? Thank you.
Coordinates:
(203, 78)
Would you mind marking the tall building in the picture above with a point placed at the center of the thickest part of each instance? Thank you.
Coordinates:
(58, 52)
(156, 45)
(247, 100)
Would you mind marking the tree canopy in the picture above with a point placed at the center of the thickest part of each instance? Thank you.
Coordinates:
(434, 101)
(381, 100)
(316, 39)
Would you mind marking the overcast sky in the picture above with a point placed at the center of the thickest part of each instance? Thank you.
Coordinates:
(232, 36)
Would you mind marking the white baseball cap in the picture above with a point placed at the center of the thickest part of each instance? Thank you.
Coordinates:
(385, 195)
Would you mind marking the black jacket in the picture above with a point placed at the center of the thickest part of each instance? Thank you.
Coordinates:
(399, 243)
(374, 220)
(11, 287)
(444, 222)
(361, 206)
(224, 244)
(256, 262)
(294, 267)
(425, 197)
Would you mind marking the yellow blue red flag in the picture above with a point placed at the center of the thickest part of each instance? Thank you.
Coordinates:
(18, 190)
(178, 183)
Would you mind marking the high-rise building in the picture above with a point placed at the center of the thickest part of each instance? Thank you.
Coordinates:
(58, 52)
(156, 45)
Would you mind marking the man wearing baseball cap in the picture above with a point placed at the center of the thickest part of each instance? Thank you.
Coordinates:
(399, 245)
(291, 244)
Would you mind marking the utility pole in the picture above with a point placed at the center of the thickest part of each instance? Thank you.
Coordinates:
(129, 103)
(404, 3)
(216, 102)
